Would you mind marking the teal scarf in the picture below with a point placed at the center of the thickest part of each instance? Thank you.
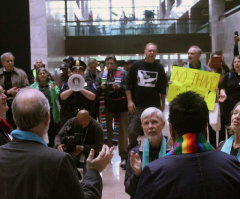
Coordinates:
(25, 135)
(201, 68)
(145, 156)
(228, 146)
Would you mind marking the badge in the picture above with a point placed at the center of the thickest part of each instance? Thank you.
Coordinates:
(82, 158)
(94, 86)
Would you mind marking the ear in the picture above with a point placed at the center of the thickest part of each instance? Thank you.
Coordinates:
(163, 124)
(47, 118)
(173, 133)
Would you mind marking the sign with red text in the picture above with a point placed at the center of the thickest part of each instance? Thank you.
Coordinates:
(202, 82)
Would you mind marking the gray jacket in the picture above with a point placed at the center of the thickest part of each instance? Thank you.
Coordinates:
(19, 78)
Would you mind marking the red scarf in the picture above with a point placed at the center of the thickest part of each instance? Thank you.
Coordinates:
(4, 126)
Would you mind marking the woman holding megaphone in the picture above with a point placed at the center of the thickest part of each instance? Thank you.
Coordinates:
(73, 95)
(51, 91)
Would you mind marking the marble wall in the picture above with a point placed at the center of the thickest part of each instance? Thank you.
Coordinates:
(222, 31)
(225, 40)
(38, 31)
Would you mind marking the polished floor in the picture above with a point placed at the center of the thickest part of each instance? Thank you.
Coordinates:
(113, 180)
(113, 175)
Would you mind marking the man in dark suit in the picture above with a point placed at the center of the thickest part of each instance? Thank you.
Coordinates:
(29, 169)
(192, 169)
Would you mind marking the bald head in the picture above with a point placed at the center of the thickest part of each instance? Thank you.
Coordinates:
(30, 107)
(83, 118)
(39, 63)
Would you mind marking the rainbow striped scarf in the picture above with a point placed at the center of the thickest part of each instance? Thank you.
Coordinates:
(115, 137)
(190, 143)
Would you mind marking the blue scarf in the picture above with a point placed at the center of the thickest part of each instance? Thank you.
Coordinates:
(25, 135)
(145, 156)
(228, 146)
(201, 68)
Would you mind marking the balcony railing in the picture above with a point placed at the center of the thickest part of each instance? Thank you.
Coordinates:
(135, 27)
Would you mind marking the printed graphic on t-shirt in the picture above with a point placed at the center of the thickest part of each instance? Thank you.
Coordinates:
(147, 78)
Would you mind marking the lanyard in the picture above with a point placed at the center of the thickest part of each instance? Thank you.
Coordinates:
(85, 137)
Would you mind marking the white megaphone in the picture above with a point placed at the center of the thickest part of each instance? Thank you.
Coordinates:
(76, 82)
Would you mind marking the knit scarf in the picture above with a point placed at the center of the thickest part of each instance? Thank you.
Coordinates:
(190, 143)
(4, 126)
(115, 137)
(227, 147)
(146, 155)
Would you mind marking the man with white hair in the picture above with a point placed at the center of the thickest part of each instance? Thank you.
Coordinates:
(12, 79)
(29, 169)
(154, 147)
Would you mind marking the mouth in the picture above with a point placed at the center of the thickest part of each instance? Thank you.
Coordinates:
(151, 131)
(236, 123)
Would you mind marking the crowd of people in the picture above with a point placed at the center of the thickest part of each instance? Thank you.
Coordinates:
(81, 128)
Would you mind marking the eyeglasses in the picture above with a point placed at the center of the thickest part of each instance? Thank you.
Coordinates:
(236, 62)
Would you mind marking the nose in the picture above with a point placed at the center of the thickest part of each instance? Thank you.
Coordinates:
(150, 125)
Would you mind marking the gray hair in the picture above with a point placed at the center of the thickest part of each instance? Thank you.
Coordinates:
(7, 54)
(148, 44)
(199, 51)
(29, 108)
(92, 61)
(149, 111)
(46, 71)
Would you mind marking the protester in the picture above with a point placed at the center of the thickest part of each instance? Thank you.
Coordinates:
(5, 128)
(230, 91)
(38, 171)
(145, 87)
(232, 145)
(51, 91)
(111, 85)
(192, 169)
(12, 79)
(154, 147)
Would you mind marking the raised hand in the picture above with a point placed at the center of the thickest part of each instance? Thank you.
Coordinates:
(136, 163)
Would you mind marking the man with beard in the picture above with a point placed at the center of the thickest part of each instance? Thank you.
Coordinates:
(153, 148)
(111, 83)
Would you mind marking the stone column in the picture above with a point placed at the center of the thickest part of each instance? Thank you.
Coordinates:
(38, 31)
(216, 9)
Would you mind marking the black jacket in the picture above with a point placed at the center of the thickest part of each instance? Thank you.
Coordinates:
(31, 170)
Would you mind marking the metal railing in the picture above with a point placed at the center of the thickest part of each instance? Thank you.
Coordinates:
(135, 27)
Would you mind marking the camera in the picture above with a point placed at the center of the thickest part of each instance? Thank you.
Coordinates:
(109, 84)
(70, 141)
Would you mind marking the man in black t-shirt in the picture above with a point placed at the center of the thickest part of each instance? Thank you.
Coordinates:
(145, 87)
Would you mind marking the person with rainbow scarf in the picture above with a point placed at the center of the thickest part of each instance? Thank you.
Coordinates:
(154, 147)
(109, 83)
(192, 169)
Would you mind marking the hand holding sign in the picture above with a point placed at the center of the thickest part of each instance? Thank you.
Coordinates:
(202, 82)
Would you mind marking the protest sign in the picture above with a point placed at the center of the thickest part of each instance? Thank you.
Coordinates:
(202, 82)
